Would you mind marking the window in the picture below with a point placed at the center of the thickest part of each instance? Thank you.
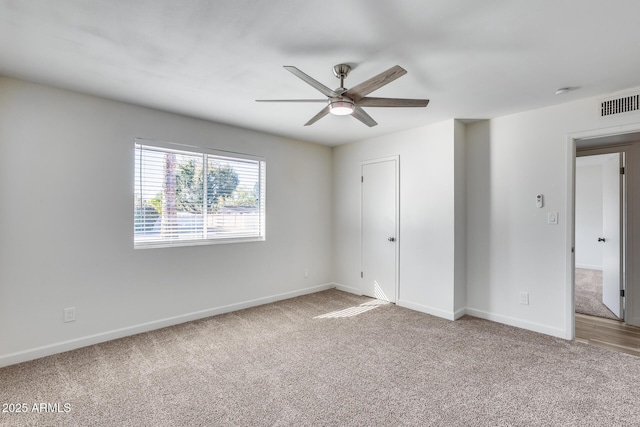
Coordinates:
(189, 196)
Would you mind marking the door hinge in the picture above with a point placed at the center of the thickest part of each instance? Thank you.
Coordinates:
(361, 274)
(622, 170)
(622, 293)
(362, 179)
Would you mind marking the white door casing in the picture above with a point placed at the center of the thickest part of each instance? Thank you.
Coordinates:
(379, 228)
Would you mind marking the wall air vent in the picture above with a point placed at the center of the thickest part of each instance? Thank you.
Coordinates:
(625, 104)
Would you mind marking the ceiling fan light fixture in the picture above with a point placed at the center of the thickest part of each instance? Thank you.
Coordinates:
(341, 107)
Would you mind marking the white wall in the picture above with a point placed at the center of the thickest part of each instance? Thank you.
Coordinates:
(66, 224)
(588, 215)
(428, 159)
(511, 248)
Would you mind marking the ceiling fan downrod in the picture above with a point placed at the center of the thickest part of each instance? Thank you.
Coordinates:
(341, 71)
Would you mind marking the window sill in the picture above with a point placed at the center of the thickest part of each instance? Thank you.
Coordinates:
(199, 242)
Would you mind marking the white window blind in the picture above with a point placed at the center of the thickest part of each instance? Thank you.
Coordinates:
(189, 196)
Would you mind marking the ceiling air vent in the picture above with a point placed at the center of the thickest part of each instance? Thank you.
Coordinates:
(625, 104)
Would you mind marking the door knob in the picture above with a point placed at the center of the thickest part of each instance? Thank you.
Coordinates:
(600, 239)
(392, 239)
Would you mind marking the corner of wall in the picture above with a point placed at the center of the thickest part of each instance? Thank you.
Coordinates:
(460, 212)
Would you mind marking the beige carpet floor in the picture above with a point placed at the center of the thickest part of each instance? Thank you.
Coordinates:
(329, 359)
(588, 291)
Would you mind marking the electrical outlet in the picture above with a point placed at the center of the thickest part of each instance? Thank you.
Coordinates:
(69, 314)
(552, 218)
(524, 298)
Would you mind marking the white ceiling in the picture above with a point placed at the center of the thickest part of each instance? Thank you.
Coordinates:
(212, 58)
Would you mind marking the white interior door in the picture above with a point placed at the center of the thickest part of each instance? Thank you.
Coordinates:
(379, 229)
(612, 227)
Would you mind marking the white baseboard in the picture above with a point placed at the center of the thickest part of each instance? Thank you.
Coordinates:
(511, 321)
(47, 350)
(449, 315)
(38, 352)
(589, 267)
(459, 313)
(410, 305)
(518, 323)
(349, 289)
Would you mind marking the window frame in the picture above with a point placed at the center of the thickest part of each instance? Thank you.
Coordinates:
(139, 143)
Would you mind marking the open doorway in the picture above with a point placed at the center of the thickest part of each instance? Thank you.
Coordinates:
(619, 328)
(599, 234)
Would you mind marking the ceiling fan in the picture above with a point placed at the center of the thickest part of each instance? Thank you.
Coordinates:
(343, 101)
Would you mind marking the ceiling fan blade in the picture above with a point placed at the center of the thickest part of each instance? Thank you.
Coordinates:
(313, 82)
(291, 100)
(318, 116)
(363, 89)
(361, 115)
(392, 102)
